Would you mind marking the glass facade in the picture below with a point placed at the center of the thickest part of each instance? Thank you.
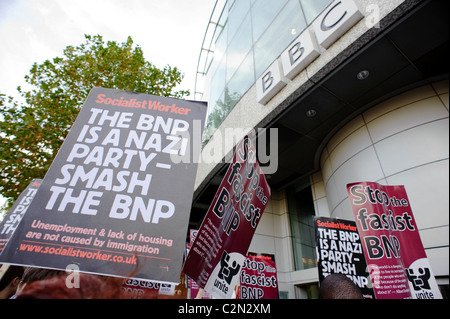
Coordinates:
(248, 37)
(301, 215)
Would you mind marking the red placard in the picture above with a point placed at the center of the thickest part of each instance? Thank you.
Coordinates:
(259, 277)
(397, 262)
(218, 253)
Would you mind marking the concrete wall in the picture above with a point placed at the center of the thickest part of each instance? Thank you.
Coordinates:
(403, 141)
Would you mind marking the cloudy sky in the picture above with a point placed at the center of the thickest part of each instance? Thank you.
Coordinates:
(170, 32)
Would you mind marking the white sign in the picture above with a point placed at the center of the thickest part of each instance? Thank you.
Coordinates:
(270, 83)
(299, 55)
(225, 276)
(337, 19)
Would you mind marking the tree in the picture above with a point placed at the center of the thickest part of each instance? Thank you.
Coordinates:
(32, 133)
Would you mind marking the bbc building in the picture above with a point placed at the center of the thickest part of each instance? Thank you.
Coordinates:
(348, 91)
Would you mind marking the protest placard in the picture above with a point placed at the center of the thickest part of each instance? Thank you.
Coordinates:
(141, 289)
(194, 289)
(146, 289)
(398, 265)
(219, 250)
(258, 278)
(15, 214)
(117, 197)
(339, 251)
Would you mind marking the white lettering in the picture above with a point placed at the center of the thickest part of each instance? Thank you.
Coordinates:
(270, 83)
(299, 55)
(336, 20)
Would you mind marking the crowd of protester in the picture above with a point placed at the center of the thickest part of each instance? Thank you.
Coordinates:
(20, 282)
(37, 283)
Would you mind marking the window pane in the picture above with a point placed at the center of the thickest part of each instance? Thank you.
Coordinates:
(301, 213)
(237, 13)
(250, 36)
(313, 8)
(218, 82)
(286, 27)
(239, 47)
(263, 13)
(217, 111)
(243, 78)
(220, 45)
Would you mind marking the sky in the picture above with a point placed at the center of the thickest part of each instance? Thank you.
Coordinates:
(170, 32)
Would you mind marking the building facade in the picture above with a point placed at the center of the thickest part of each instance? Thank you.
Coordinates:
(349, 91)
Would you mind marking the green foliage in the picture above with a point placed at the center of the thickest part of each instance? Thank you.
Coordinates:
(32, 133)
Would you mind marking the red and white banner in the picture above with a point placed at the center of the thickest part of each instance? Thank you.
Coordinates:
(397, 262)
(259, 277)
(193, 287)
(219, 251)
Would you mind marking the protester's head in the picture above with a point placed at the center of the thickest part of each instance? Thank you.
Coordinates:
(338, 286)
(32, 274)
(10, 281)
(88, 287)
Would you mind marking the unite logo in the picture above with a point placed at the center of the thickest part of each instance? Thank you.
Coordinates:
(225, 275)
(421, 280)
(337, 19)
(228, 270)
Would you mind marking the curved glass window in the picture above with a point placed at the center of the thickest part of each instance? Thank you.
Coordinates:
(284, 29)
(249, 36)
(301, 214)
